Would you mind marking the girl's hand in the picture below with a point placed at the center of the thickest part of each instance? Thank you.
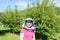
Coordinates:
(34, 37)
(21, 36)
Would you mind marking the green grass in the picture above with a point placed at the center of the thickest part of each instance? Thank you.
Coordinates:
(9, 36)
(4, 28)
(6, 35)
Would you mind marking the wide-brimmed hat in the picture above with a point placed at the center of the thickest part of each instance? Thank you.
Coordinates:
(33, 26)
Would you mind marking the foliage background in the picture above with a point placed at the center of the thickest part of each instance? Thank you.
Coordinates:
(45, 14)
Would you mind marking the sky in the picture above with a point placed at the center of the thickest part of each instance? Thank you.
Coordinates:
(22, 4)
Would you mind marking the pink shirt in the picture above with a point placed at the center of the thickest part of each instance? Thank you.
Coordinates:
(28, 35)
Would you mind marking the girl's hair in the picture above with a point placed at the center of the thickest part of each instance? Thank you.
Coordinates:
(29, 20)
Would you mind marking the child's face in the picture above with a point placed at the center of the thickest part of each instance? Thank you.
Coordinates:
(29, 24)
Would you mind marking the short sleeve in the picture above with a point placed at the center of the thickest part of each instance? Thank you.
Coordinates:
(33, 31)
(22, 30)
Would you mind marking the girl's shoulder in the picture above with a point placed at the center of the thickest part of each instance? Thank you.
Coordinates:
(22, 30)
(33, 30)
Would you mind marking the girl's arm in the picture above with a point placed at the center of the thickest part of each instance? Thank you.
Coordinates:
(34, 37)
(21, 36)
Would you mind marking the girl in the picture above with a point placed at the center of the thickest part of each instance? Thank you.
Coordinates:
(28, 30)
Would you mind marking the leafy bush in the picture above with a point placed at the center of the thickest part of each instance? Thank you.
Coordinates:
(46, 15)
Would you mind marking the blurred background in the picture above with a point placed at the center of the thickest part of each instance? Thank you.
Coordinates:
(46, 14)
